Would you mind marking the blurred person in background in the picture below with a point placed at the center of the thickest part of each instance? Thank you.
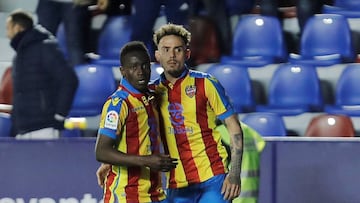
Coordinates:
(304, 8)
(217, 11)
(254, 144)
(75, 21)
(76, 18)
(44, 84)
(147, 12)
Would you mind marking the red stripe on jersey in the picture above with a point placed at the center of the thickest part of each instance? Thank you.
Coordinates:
(208, 139)
(110, 180)
(154, 175)
(132, 144)
(155, 180)
(182, 141)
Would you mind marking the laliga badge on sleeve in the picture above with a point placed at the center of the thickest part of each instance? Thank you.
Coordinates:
(111, 120)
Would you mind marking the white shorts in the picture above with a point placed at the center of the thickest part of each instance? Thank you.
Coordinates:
(45, 133)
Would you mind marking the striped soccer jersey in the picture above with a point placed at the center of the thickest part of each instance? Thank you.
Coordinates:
(129, 117)
(188, 112)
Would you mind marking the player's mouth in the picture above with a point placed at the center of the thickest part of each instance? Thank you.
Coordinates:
(172, 62)
(141, 82)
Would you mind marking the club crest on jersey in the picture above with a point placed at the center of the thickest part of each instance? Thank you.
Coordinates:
(190, 90)
(111, 120)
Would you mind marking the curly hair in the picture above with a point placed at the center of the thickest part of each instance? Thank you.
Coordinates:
(172, 29)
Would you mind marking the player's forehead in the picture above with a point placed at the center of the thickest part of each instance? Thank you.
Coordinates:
(171, 41)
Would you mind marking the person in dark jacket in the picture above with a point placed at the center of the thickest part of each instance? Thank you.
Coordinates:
(44, 84)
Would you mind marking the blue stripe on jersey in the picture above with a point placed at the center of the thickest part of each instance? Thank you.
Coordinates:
(220, 89)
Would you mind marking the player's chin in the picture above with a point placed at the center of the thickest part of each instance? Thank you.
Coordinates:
(142, 86)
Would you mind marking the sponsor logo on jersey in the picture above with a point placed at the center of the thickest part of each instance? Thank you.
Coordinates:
(111, 120)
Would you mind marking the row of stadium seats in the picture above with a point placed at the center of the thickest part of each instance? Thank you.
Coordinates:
(322, 125)
(293, 89)
(258, 41)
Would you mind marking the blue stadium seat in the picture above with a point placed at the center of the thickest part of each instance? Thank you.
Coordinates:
(347, 93)
(114, 34)
(5, 125)
(265, 123)
(257, 41)
(348, 4)
(325, 41)
(347, 8)
(330, 125)
(293, 89)
(96, 84)
(236, 81)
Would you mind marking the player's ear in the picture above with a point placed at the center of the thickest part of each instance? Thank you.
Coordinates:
(122, 71)
(187, 54)
(157, 55)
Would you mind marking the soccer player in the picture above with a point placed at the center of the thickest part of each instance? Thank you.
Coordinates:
(128, 137)
(190, 102)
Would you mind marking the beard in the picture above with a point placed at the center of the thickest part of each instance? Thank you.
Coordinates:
(175, 72)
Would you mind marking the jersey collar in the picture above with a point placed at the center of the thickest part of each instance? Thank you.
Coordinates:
(183, 74)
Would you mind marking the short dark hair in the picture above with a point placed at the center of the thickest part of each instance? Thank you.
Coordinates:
(22, 18)
(133, 46)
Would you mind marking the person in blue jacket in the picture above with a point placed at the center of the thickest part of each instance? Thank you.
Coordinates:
(44, 84)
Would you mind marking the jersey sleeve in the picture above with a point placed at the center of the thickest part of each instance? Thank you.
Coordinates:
(218, 99)
(113, 116)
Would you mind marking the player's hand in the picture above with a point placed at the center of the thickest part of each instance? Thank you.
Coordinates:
(230, 190)
(161, 162)
(101, 173)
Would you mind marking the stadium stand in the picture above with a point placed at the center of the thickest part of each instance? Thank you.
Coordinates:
(236, 81)
(325, 41)
(265, 123)
(257, 41)
(114, 34)
(96, 83)
(347, 93)
(293, 89)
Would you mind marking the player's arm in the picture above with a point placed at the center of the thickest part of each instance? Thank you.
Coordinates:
(106, 153)
(232, 184)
